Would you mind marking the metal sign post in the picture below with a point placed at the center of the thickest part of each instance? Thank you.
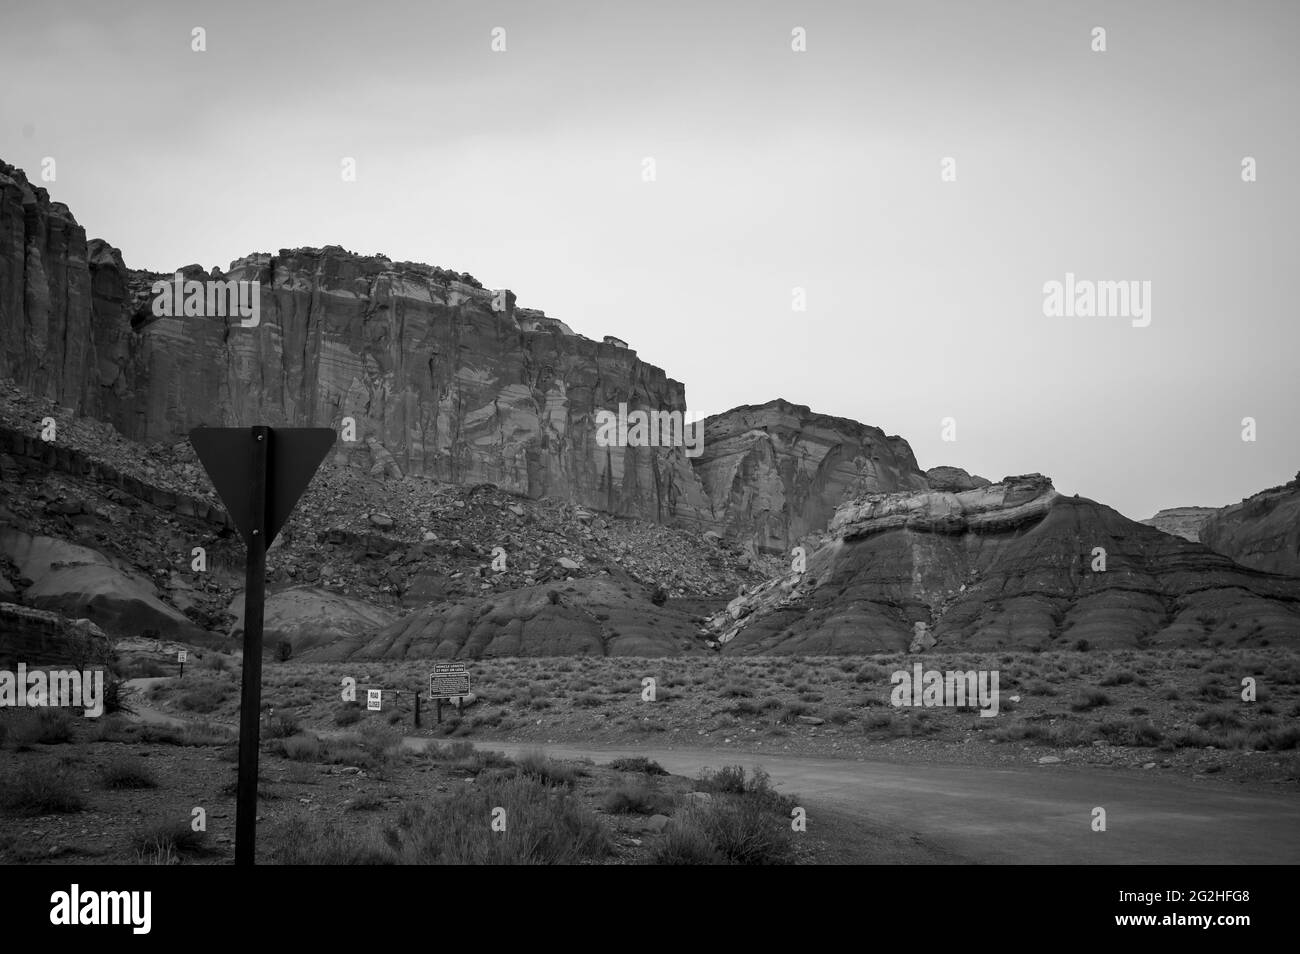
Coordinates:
(259, 474)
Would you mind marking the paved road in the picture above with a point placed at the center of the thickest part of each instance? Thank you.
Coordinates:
(1038, 814)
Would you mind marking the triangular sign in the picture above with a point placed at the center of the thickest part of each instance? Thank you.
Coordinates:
(292, 456)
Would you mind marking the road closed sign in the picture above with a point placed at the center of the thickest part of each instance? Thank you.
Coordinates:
(374, 699)
(449, 680)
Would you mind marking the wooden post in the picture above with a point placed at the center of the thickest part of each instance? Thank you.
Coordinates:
(417, 708)
(251, 688)
(439, 710)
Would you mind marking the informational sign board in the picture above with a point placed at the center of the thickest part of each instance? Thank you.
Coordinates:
(448, 680)
(182, 656)
(374, 699)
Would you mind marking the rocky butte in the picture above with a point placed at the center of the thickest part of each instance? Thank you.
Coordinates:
(1263, 531)
(1008, 565)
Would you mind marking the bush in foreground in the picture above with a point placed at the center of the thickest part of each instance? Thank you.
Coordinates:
(44, 789)
(127, 773)
(543, 825)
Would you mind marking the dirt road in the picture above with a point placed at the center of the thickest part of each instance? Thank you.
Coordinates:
(1038, 815)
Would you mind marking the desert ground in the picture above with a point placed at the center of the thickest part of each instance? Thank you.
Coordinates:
(718, 767)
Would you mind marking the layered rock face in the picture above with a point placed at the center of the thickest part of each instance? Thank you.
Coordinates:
(45, 292)
(441, 377)
(1185, 522)
(600, 616)
(775, 472)
(1011, 565)
(954, 478)
(43, 638)
(1262, 531)
(451, 379)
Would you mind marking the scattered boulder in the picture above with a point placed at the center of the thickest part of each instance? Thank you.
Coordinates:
(922, 638)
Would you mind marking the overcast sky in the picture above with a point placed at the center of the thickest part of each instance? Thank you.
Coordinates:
(774, 169)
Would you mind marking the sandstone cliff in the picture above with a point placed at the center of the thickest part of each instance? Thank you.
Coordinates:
(1185, 522)
(1263, 531)
(775, 472)
(1011, 565)
(418, 356)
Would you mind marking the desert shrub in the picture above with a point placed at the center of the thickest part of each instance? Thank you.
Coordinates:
(302, 748)
(1210, 689)
(1116, 677)
(281, 726)
(744, 832)
(728, 779)
(1089, 700)
(871, 673)
(205, 698)
(1139, 732)
(534, 764)
(731, 780)
(659, 597)
(44, 789)
(1282, 739)
(115, 697)
(44, 726)
(298, 841)
(127, 773)
(637, 764)
(545, 826)
(883, 719)
(349, 713)
(1219, 719)
(791, 711)
(450, 752)
(685, 843)
(1191, 738)
(587, 700)
(366, 802)
(176, 837)
(283, 650)
(635, 798)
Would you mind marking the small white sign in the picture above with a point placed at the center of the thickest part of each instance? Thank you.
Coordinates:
(181, 656)
(373, 697)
